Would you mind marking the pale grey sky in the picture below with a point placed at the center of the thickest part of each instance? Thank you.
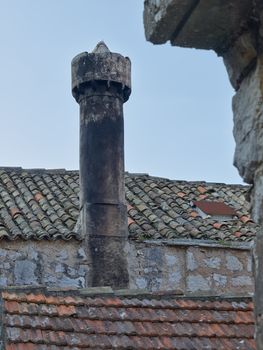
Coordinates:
(178, 121)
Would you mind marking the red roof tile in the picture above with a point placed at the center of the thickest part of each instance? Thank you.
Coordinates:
(181, 194)
(40, 322)
(201, 189)
(245, 219)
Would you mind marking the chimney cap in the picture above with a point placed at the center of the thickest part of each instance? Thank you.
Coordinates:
(100, 65)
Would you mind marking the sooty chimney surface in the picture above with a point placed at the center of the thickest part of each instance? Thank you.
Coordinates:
(101, 84)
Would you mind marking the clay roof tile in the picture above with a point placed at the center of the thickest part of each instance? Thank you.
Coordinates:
(44, 204)
(124, 323)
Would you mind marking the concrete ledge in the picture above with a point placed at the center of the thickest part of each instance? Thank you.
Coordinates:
(201, 243)
(105, 292)
(163, 18)
(199, 24)
(93, 291)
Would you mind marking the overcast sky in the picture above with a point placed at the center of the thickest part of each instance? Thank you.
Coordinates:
(178, 121)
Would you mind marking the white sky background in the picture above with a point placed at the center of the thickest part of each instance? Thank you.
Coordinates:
(178, 121)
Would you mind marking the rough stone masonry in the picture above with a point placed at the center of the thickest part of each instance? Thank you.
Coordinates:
(191, 267)
(234, 30)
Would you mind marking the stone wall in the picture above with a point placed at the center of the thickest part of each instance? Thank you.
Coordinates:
(192, 267)
(186, 266)
(53, 264)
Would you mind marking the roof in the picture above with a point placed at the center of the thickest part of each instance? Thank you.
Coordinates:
(42, 321)
(43, 204)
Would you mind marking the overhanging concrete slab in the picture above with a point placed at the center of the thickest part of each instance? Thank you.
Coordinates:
(201, 24)
(163, 17)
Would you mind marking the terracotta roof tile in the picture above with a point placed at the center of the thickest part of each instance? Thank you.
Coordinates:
(73, 322)
(43, 204)
(201, 189)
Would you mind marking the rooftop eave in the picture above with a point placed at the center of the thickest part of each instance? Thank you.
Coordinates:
(199, 24)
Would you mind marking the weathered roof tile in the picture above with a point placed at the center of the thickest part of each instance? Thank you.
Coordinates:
(43, 204)
(38, 321)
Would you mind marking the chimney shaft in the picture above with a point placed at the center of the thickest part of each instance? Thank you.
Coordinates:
(101, 84)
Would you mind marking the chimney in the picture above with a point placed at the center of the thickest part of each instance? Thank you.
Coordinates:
(101, 84)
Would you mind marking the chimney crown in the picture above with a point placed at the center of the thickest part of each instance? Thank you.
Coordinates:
(101, 65)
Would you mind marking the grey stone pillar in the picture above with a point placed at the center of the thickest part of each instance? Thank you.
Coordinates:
(101, 84)
(234, 30)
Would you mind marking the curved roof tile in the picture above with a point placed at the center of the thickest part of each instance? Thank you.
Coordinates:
(43, 204)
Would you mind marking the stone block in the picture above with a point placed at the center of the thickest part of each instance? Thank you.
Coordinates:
(248, 124)
(256, 197)
(220, 280)
(71, 282)
(59, 268)
(249, 264)
(240, 58)
(141, 283)
(198, 283)
(242, 281)
(233, 263)
(25, 272)
(213, 24)
(3, 281)
(191, 263)
(6, 266)
(32, 254)
(171, 260)
(62, 254)
(82, 255)
(199, 24)
(3, 253)
(175, 279)
(72, 272)
(213, 262)
(162, 18)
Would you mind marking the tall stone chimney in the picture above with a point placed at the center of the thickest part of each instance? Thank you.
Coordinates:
(101, 84)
